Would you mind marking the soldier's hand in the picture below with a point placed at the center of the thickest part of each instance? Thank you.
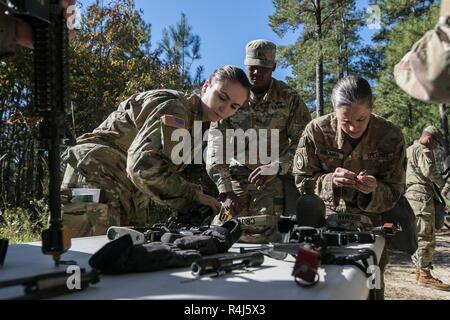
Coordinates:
(231, 202)
(343, 178)
(366, 184)
(262, 175)
(196, 187)
(209, 201)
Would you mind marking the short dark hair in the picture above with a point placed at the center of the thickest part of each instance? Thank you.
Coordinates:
(351, 89)
(231, 73)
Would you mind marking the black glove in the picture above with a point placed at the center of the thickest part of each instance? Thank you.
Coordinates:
(113, 256)
(206, 245)
(156, 256)
(217, 239)
(121, 256)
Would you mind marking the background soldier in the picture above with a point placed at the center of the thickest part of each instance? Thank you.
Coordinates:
(356, 158)
(129, 154)
(250, 189)
(423, 181)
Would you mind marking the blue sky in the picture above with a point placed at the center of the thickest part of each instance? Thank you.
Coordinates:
(224, 27)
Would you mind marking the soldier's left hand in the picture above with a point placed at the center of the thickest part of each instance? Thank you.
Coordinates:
(262, 175)
(366, 183)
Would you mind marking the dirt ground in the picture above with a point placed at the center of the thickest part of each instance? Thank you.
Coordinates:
(400, 278)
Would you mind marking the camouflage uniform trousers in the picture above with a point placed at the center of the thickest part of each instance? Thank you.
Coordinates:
(268, 201)
(125, 204)
(424, 206)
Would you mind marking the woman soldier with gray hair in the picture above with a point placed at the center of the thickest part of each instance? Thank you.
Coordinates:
(357, 160)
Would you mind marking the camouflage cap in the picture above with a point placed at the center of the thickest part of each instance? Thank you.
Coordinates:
(260, 53)
(424, 72)
(435, 133)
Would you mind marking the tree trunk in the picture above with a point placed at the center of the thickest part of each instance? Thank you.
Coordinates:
(444, 127)
(410, 115)
(319, 62)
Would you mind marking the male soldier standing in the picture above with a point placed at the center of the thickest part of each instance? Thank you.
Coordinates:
(131, 154)
(253, 188)
(423, 182)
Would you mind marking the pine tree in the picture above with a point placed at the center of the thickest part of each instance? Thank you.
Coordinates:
(326, 48)
(181, 48)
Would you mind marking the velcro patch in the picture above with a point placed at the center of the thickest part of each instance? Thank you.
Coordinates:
(172, 121)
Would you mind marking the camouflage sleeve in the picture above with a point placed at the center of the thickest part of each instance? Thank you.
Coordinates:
(299, 117)
(428, 167)
(150, 163)
(307, 164)
(217, 165)
(7, 35)
(390, 185)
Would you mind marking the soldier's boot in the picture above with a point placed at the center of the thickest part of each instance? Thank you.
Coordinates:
(426, 279)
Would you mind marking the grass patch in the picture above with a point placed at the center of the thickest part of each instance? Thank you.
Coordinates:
(19, 224)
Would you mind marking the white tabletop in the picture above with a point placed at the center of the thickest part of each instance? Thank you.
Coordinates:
(271, 281)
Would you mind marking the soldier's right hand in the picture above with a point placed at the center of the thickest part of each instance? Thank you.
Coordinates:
(209, 201)
(231, 202)
(343, 178)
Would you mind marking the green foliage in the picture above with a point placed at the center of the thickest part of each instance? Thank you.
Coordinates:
(20, 224)
(181, 48)
(111, 60)
(327, 36)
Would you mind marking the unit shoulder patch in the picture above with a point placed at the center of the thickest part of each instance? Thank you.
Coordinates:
(173, 121)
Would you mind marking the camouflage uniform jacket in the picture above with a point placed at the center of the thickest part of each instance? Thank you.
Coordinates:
(140, 129)
(381, 153)
(7, 35)
(280, 108)
(422, 170)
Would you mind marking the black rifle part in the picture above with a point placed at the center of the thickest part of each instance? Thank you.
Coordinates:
(3, 250)
(193, 222)
(50, 285)
(220, 265)
(50, 101)
(310, 248)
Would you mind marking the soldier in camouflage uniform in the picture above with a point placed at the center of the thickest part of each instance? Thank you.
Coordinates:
(424, 181)
(130, 157)
(356, 157)
(424, 72)
(245, 187)
(445, 192)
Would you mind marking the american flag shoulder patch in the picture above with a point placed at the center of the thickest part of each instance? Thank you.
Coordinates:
(172, 121)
